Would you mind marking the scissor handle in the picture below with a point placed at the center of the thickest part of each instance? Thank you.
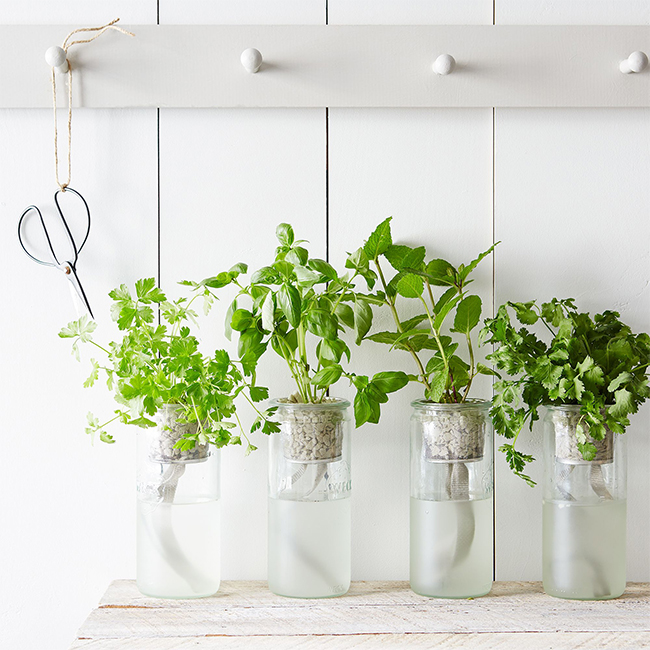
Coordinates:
(47, 237)
(65, 223)
(75, 249)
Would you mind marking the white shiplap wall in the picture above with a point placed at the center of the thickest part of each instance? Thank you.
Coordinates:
(570, 201)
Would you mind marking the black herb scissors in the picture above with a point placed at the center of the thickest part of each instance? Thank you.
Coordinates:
(68, 266)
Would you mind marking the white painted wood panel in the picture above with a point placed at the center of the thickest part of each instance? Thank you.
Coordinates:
(572, 204)
(342, 65)
(241, 12)
(89, 12)
(431, 170)
(410, 12)
(69, 504)
(575, 12)
(228, 177)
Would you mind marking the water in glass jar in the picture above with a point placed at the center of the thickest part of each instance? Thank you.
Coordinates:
(179, 554)
(309, 547)
(451, 548)
(584, 549)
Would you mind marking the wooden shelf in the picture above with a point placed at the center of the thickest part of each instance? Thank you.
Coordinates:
(372, 615)
(338, 66)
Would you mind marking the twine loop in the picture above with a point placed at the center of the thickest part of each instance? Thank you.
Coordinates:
(67, 44)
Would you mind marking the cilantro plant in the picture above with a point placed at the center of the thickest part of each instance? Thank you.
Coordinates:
(597, 363)
(155, 364)
(298, 306)
(445, 376)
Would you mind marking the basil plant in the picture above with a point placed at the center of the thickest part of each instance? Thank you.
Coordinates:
(298, 307)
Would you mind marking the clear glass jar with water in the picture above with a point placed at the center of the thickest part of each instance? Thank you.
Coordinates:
(309, 541)
(451, 537)
(178, 512)
(584, 511)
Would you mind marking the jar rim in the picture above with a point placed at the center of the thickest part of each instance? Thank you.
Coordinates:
(563, 407)
(337, 403)
(567, 407)
(423, 404)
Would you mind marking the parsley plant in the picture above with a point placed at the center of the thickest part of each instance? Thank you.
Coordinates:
(597, 363)
(155, 364)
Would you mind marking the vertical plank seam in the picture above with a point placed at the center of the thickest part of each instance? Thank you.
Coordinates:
(494, 294)
(327, 171)
(158, 273)
(158, 185)
(327, 166)
(327, 184)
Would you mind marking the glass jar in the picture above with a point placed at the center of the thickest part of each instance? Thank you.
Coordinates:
(178, 513)
(451, 541)
(309, 500)
(584, 517)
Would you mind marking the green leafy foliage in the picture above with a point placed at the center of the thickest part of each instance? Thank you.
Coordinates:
(297, 304)
(154, 364)
(446, 377)
(597, 363)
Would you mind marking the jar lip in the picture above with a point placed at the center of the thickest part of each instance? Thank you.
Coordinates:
(423, 404)
(336, 403)
(568, 407)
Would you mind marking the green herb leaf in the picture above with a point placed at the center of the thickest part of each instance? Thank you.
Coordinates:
(289, 303)
(379, 240)
(324, 268)
(525, 312)
(242, 320)
(284, 233)
(327, 376)
(440, 273)
(484, 370)
(410, 286)
(390, 381)
(437, 385)
(362, 319)
(322, 324)
(268, 312)
(474, 263)
(468, 314)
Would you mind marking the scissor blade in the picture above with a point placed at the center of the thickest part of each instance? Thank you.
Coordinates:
(71, 273)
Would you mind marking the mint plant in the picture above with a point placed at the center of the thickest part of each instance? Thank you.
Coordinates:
(596, 363)
(158, 364)
(298, 306)
(445, 376)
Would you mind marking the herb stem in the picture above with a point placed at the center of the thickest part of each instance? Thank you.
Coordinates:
(241, 428)
(472, 374)
(100, 347)
(436, 335)
(391, 303)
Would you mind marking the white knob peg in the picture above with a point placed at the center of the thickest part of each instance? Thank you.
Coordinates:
(444, 64)
(251, 59)
(57, 58)
(636, 62)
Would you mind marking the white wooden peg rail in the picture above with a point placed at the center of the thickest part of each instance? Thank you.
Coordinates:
(245, 615)
(338, 66)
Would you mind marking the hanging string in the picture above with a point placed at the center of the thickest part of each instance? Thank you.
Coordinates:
(67, 44)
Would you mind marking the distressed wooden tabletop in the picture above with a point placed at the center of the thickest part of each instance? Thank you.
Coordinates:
(372, 615)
